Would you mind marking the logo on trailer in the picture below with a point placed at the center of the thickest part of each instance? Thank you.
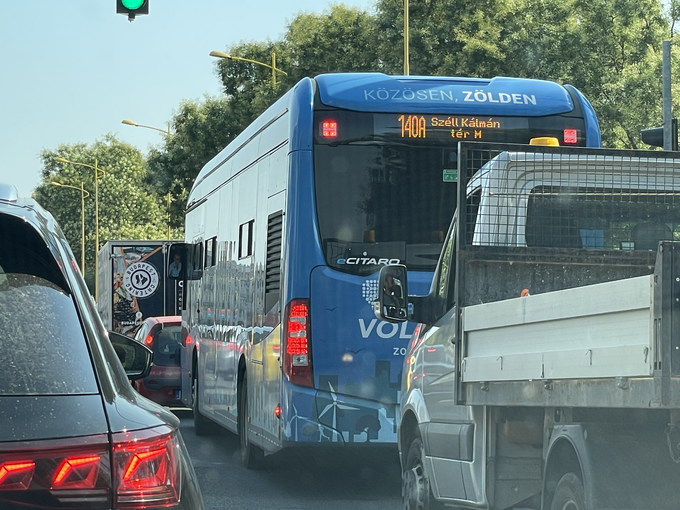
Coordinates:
(140, 279)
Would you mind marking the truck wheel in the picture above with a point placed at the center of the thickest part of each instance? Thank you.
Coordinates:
(202, 425)
(415, 487)
(251, 455)
(569, 494)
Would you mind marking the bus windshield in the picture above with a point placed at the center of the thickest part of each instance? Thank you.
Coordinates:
(386, 184)
(383, 202)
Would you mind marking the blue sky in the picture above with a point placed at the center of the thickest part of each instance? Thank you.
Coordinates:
(72, 70)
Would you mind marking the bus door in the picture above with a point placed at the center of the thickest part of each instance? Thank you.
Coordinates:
(265, 338)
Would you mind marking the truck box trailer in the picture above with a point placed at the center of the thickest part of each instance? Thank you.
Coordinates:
(545, 369)
(133, 284)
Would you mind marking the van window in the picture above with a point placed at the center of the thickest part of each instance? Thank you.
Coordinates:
(601, 219)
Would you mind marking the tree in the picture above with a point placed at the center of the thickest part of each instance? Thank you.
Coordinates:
(127, 208)
(341, 39)
(333, 41)
(201, 130)
(446, 37)
(609, 49)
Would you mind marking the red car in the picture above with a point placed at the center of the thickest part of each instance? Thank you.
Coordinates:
(162, 335)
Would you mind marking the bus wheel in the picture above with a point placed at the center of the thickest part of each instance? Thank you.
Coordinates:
(415, 487)
(569, 494)
(202, 425)
(251, 455)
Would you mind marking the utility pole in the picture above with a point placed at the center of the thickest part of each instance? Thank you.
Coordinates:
(406, 38)
(667, 114)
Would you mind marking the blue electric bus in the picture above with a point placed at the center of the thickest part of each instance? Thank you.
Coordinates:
(288, 226)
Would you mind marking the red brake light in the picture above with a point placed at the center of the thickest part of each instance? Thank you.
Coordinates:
(77, 473)
(148, 340)
(570, 136)
(329, 129)
(146, 468)
(74, 472)
(297, 364)
(16, 476)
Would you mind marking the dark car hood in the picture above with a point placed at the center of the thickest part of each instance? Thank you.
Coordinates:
(28, 418)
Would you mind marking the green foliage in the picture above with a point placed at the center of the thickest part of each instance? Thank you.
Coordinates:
(342, 39)
(446, 37)
(127, 209)
(609, 49)
(201, 130)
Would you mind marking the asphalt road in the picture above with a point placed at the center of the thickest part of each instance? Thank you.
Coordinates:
(329, 481)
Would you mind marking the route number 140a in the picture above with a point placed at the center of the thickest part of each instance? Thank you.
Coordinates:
(412, 126)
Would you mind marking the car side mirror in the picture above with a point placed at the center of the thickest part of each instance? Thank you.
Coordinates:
(136, 358)
(391, 304)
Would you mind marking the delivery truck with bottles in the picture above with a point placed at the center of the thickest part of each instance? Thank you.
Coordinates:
(545, 368)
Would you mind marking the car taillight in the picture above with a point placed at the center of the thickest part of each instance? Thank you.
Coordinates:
(76, 473)
(297, 352)
(73, 473)
(148, 340)
(146, 468)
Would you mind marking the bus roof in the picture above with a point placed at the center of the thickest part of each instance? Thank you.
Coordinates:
(377, 92)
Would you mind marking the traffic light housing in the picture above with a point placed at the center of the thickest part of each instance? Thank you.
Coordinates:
(654, 136)
(132, 8)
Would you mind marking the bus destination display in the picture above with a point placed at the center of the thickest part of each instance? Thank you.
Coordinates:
(454, 127)
(436, 129)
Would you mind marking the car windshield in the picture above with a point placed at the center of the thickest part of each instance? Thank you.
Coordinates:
(43, 347)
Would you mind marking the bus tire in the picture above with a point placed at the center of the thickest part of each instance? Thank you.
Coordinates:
(569, 494)
(202, 425)
(251, 455)
(415, 487)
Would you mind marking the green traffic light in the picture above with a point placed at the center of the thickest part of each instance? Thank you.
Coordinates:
(132, 4)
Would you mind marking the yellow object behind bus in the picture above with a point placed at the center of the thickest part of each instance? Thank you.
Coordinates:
(545, 140)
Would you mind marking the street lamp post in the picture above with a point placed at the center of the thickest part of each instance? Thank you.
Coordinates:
(220, 54)
(132, 123)
(169, 199)
(406, 38)
(83, 193)
(96, 210)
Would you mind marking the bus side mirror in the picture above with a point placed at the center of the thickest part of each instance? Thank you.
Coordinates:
(391, 304)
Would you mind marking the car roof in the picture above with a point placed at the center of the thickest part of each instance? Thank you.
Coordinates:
(165, 319)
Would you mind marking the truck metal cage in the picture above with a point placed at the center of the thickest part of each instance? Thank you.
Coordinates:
(535, 220)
